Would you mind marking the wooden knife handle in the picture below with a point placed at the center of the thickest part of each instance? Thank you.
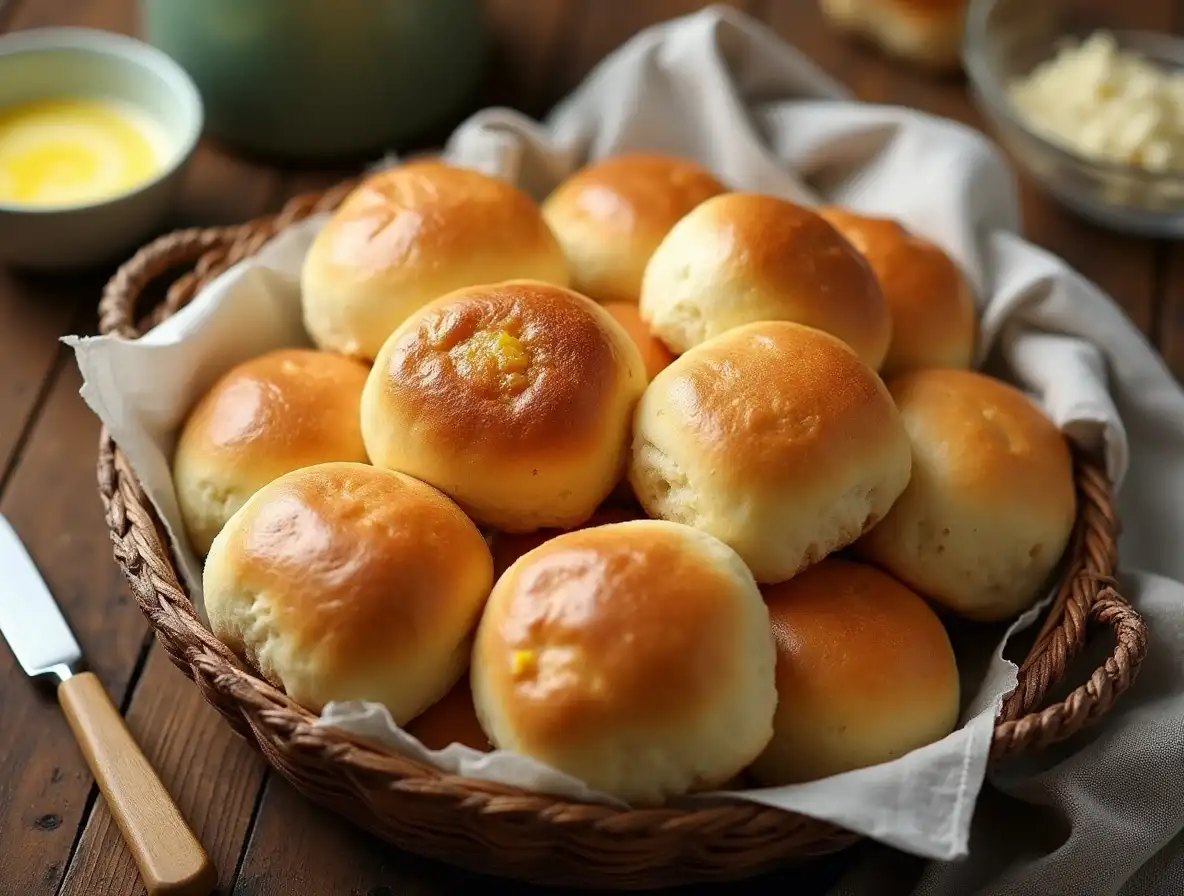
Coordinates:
(169, 856)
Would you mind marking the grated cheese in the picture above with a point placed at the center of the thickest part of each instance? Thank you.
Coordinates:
(1106, 103)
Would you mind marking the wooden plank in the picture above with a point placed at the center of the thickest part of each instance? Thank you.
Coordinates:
(525, 37)
(51, 501)
(211, 772)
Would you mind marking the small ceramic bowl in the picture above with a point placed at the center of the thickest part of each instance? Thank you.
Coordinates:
(58, 63)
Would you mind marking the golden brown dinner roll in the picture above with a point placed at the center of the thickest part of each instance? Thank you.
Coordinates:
(776, 439)
(933, 316)
(991, 503)
(744, 257)
(924, 32)
(507, 547)
(865, 673)
(410, 234)
(346, 582)
(451, 720)
(654, 353)
(513, 398)
(610, 216)
(636, 657)
(272, 414)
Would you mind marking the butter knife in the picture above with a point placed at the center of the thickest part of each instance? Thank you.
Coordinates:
(170, 858)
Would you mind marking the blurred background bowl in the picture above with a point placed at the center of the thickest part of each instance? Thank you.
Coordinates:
(56, 63)
(1007, 39)
(319, 80)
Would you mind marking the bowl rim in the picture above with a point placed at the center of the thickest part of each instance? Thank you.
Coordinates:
(988, 86)
(123, 49)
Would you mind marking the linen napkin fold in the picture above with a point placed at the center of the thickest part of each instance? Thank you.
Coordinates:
(719, 87)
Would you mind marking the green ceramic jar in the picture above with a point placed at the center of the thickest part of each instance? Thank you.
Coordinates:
(318, 79)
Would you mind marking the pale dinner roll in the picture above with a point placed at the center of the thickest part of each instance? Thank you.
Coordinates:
(514, 399)
(925, 32)
(636, 657)
(410, 234)
(991, 504)
(745, 257)
(932, 306)
(776, 439)
(865, 673)
(265, 417)
(654, 353)
(346, 582)
(451, 720)
(610, 216)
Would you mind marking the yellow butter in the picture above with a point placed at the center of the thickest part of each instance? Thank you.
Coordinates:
(62, 152)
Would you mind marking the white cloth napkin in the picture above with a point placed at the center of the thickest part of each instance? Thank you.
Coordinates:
(719, 87)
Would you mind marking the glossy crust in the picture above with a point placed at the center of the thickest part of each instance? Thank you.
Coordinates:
(635, 656)
(776, 439)
(346, 582)
(654, 353)
(865, 673)
(925, 32)
(744, 257)
(507, 547)
(991, 504)
(514, 399)
(409, 235)
(610, 216)
(932, 306)
(265, 417)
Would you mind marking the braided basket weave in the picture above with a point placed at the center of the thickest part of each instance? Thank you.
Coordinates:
(499, 829)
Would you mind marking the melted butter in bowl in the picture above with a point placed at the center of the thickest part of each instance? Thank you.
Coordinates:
(63, 152)
(96, 130)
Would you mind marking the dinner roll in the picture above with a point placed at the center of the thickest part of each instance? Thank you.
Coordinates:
(744, 257)
(410, 234)
(610, 216)
(451, 720)
(776, 439)
(636, 657)
(653, 351)
(991, 504)
(507, 547)
(927, 33)
(265, 417)
(346, 582)
(865, 673)
(932, 307)
(513, 398)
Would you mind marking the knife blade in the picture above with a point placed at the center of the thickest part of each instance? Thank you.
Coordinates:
(30, 619)
(169, 856)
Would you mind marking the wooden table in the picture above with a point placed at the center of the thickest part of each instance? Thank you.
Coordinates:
(56, 833)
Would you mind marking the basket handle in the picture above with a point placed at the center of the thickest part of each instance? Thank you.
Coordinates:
(1092, 699)
(206, 251)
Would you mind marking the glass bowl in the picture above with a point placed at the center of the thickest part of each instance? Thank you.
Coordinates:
(1006, 39)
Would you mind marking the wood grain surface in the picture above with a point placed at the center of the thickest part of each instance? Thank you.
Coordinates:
(56, 831)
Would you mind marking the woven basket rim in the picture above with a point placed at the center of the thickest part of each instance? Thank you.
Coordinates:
(1087, 598)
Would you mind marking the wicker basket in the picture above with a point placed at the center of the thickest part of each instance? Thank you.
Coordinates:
(502, 830)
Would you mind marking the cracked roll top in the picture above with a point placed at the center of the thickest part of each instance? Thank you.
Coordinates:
(514, 399)
(636, 656)
(345, 582)
(410, 234)
(265, 417)
(776, 439)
